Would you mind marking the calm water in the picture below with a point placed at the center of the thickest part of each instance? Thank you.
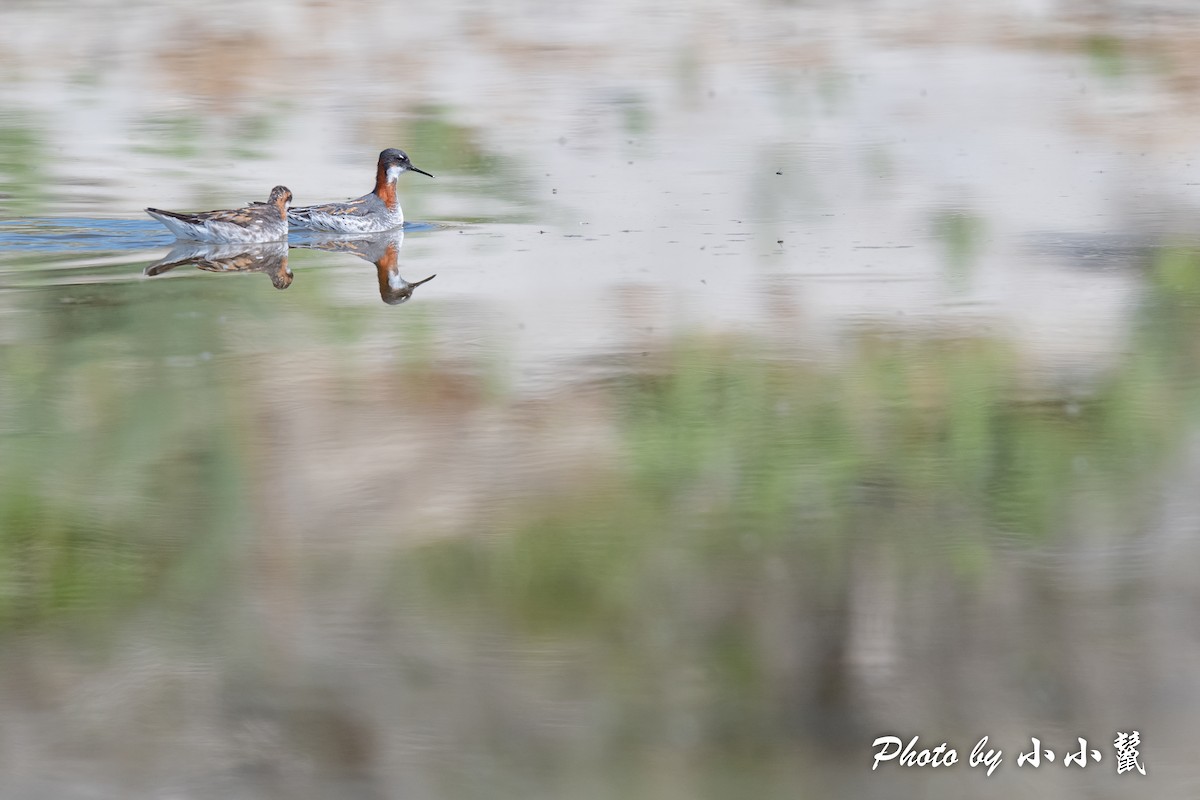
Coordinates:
(793, 374)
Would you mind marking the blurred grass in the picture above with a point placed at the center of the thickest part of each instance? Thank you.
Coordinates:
(128, 466)
(443, 147)
(123, 453)
(962, 235)
(1106, 54)
(684, 612)
(186, 136)
(131, 428)
(733, 454)
(179, 136)
(706, 581)
(22, 167)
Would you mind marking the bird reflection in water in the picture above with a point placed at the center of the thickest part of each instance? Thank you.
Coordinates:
(382, 250)
(268, 257)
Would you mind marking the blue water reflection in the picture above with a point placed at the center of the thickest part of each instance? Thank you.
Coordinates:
(75, 234)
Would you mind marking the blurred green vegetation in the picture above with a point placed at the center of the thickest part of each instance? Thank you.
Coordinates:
(22, 166)
(962, 236)
(129, 428)
(740, 465)
(180, 136)
(1106, 54)
(636, 115)
(931, 442)
(118, 468)
(443, 147)
(746, 483)
(186, 136)
(688, 598)
(126, 434)
(253, 132)
(722, 548)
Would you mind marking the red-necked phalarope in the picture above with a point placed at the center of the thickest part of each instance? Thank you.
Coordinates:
(374, 212)
(258, 222)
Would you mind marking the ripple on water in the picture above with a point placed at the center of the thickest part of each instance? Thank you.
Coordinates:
(75, 234)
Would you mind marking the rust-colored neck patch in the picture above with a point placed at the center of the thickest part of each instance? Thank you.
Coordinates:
(385, 190)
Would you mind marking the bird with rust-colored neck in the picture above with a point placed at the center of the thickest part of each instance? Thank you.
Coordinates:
(379, 210)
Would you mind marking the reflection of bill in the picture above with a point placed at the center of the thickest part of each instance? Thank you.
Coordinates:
(268, 257)
(382, 250)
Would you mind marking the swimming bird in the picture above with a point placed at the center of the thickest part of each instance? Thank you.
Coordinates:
(267, 257)
(258, 222)
(376, 211)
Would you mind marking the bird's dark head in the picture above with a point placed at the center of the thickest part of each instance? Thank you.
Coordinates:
(393, 161)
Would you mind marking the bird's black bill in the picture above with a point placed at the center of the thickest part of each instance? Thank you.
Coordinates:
(418, 169)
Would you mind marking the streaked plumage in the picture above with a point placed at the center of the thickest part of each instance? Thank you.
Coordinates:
(374, 212)
(258, 222)
(268, 257)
